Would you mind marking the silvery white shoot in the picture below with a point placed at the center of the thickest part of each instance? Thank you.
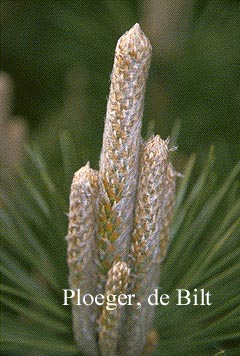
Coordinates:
(119, 218)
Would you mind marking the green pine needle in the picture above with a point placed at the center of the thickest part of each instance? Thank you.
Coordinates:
(204, 253)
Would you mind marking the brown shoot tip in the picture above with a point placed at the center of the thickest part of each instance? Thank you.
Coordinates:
(135, 44)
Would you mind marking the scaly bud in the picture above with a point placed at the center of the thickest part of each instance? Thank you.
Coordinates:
(82, 255)
(145, 248)
(111, 319)
(119, 161)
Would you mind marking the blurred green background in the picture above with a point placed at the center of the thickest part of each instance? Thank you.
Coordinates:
(60, 55)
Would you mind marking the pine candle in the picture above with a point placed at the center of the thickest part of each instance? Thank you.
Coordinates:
(120, 217)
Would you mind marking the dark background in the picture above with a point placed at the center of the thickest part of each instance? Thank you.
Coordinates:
(60, 55)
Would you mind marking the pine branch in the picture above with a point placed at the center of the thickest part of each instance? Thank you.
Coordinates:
(134, 208)
(204, 253)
